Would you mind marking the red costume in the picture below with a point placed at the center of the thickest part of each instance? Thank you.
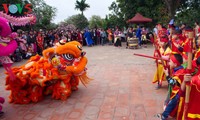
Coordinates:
(193, 112)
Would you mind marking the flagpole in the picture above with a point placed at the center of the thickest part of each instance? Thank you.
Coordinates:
(189, 68)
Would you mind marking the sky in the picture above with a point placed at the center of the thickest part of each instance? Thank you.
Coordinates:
(65, 8)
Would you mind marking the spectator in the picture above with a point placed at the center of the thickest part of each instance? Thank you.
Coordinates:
(138, 35)
(40, 43)
(103, 37)
(88, 38)
(31, 40)
(110, 36)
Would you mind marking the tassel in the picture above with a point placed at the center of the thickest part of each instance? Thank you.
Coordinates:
(10, 73)
(84, 79)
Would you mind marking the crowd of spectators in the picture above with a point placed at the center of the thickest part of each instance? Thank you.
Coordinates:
(34, 42)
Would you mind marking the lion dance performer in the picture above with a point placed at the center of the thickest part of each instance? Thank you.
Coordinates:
(57, 73)
(8, 43)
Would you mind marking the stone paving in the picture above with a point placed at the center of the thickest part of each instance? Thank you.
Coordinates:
(121, 90)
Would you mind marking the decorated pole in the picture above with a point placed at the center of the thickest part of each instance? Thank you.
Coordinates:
(189, 68)
(159, 55)
(147, 56)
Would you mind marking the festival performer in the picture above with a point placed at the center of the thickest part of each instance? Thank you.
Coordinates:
(175, 81)
(8, 43)
(177, 41)
(171, 29)
(193, 112)
(187, 30)
(7, 46)
(191, 70)
(57, 73)
(164, 50)
(177, 103)
(185, 107)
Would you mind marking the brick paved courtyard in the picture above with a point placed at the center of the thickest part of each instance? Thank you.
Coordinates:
(121, 90)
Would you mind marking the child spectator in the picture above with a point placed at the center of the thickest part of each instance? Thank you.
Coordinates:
(29, 52)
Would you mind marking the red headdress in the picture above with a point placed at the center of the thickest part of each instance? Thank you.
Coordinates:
(164, 39)
(162, 31)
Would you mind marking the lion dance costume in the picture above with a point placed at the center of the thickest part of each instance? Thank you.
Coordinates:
(8, 43)
(57, 73)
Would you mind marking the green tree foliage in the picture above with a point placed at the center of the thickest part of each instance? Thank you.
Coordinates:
(189, 12)
(44, 13)
(122, 10)
(172, 6)
(116, 18)
(161, 11)
(80, 21)
(81, 5)
(95, 22)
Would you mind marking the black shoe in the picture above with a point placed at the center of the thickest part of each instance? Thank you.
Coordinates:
(1, 114)
(160, 117)
(159, 86)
